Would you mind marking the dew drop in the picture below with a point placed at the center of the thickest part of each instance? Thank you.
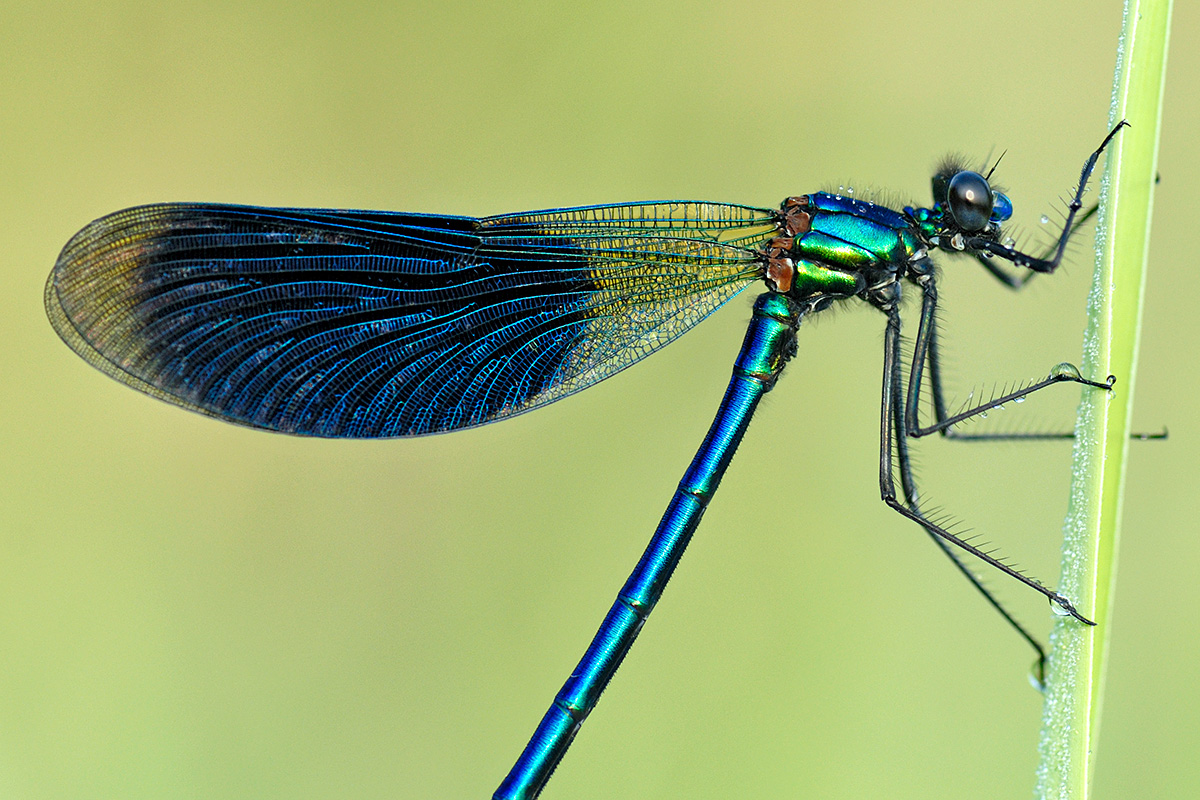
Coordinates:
(1036, 680)
(1058, 610)
(1045, 219)
(1019, 400)
(1066, 372)
(983, 415)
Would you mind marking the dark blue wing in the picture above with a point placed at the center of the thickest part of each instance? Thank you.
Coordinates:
(373, 324)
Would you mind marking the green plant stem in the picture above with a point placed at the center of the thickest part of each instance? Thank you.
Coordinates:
(1075, 680)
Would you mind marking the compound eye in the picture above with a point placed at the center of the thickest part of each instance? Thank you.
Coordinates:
(970, 201)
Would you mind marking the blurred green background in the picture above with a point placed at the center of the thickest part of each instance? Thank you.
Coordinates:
(193, 610)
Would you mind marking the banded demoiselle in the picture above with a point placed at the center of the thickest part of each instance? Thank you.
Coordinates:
(368, 324)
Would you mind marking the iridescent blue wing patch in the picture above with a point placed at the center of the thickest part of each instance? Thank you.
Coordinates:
(375, 324)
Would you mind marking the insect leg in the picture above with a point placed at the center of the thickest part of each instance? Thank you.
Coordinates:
(925, 352)
(892, 423)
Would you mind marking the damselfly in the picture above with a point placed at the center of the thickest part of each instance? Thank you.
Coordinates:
(364, 324)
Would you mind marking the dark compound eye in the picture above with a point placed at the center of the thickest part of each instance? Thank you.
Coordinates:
(970, 201)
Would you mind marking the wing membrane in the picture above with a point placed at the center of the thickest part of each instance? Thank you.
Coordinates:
(373, 324)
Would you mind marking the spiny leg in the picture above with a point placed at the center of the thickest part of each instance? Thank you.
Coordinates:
(891, 408)
(925, 351)
(983, 244)
(908, 486)
(1067, 374)
(1017, 281)
(984, 249)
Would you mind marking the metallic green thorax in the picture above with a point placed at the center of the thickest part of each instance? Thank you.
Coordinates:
(856, 233)
(837, 246)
